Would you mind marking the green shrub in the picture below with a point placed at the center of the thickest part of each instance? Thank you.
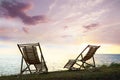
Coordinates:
(114, 65)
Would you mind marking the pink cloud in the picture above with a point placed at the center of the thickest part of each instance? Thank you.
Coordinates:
(25, 29)
(6, 32)
(17, 9)
(4, 29)
(109, 35)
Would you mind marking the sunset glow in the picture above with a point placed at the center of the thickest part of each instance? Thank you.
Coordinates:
(61, 26)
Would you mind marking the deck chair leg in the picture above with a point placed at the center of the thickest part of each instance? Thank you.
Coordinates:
(22, 70)
(21, 65)
(82, 66)
(94, 62)
(28, 66)
(36, 68)
(77, 64)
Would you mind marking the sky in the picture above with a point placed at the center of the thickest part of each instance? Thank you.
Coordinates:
(61, 26)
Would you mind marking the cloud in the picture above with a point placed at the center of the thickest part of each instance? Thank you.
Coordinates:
(11, 26)
(66, 27)
(71, 19)
(4, 30)
(6, 33)
(4, 38)
(66, 36)
(15, 34)
(91, 26)
(108, 34)
(53, 5)
(17, 9)
(90, 3)
(25, 29)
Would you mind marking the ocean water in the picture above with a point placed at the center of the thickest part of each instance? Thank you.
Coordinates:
(10, 64)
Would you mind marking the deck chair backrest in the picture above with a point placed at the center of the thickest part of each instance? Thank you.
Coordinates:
(30, 54)
(91, 52)
(81, 62)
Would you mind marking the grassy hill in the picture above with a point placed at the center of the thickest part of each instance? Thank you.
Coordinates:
(104, 72)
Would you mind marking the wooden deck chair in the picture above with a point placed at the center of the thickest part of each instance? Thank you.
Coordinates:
(30, 56)
(83, 59)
